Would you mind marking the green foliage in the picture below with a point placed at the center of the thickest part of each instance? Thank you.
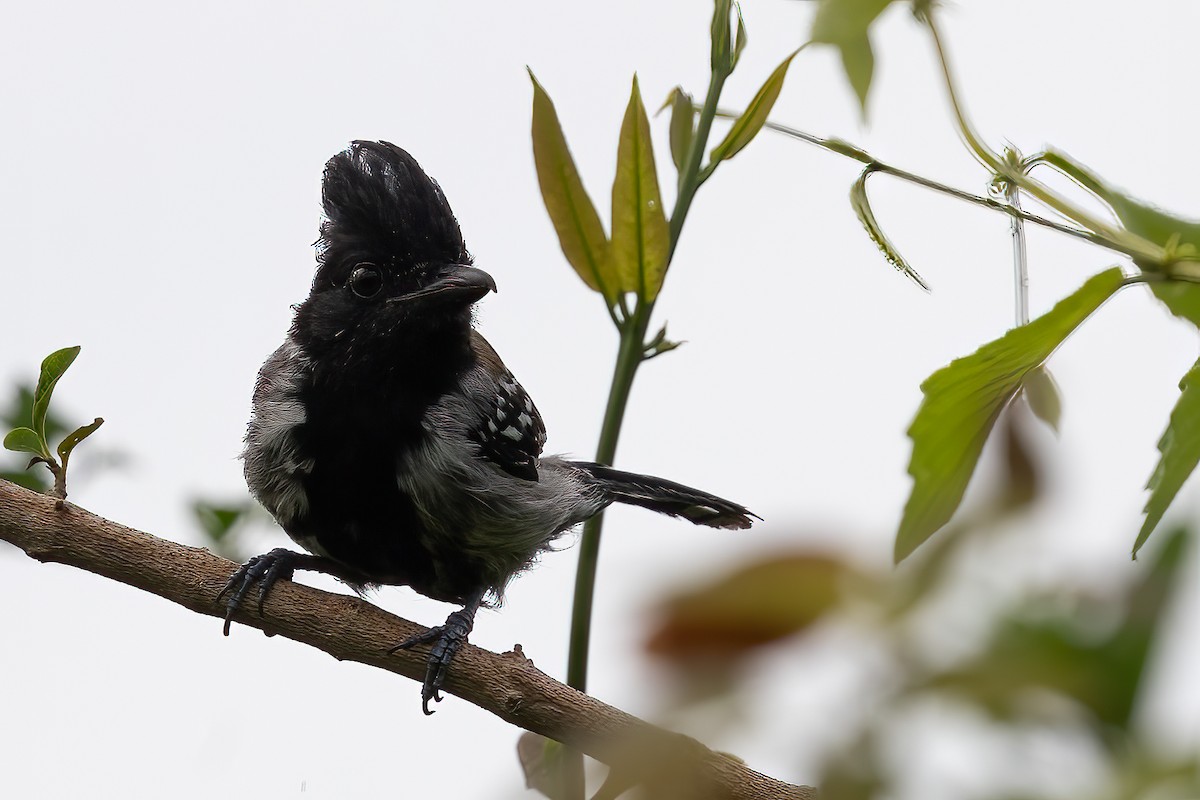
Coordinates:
(1180, 449)
(751, 121)
(844, 24)
(53, 367)
(580, 232)
(1041, 392)
(862, 209)
(964, 400)
(220, 523)
(640, 235)
(1178, 236)
(1063, 652)
(683, 126)
(34, 439)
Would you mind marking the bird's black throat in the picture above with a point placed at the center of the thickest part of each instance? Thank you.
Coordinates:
(364, 405)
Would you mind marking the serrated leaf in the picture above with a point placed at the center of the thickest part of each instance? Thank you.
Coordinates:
(1180, 449)
(1043, 397)
(640, 235)
(862, 209)
(580, 232)
(75, 437)
(747, 126)
(964, 399)
(53, 367)
(25, 440)
(683, 126)
(845, 25)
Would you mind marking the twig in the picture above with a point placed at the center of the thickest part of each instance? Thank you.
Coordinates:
(350, 629)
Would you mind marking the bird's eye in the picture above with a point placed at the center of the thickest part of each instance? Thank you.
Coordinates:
(366, 280)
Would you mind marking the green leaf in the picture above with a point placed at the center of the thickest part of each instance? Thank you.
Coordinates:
(683, 125)
(1077, 654)
(1180, 448)
(580, 232)
(1181, 237)
(747, 126)
(859, 62)
(640, 235)
(1043, 397)
(862, 209)
(75, 437)
(740, 39)
(844, 24)
(719, 58)
(964, 399)
(24, 440)
(53, 367)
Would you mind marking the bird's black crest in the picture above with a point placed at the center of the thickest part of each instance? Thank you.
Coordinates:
(377, 199)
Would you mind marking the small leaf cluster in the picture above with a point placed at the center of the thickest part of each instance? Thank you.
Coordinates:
(628, 267)
(34, 440)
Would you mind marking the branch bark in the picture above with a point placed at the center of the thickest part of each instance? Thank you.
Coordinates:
(349, 629)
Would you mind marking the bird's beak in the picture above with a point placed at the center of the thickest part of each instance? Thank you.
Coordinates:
(454, 283)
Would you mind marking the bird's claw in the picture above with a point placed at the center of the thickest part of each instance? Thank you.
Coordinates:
(266, 570)
(447, 640)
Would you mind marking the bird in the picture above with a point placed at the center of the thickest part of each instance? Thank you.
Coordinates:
(387, 437)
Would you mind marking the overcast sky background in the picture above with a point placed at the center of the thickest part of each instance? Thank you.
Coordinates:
(160, 168)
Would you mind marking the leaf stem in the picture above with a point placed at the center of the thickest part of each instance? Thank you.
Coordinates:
(848, 150)
(630, 356)
(1130, 243)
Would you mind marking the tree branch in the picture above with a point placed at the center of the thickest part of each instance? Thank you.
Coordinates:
(350, 629)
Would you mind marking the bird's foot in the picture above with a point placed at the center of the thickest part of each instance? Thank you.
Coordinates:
(447, 640)
(266, 570)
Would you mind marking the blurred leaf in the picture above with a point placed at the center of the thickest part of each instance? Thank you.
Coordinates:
(844, 24)
(34, 481)
(683, 125)
(862, 209)
(1022, 479)
(219, 521)
(580, 232)
(1064, 654)
(747, 126)
(1041, 392)
(24, 440)
(1180, 236)
(754, 605)
(542, 762)
(963, 401)
(1180, 448)
(75, 437)
(53, 367)
(640, 235)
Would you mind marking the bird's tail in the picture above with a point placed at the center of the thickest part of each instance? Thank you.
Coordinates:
(667, 497)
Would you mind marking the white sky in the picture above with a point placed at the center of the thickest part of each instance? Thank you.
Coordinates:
(161, 165)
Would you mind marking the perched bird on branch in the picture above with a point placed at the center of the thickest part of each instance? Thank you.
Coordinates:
(389, 440)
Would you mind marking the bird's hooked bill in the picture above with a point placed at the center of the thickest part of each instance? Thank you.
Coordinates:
(455, 282)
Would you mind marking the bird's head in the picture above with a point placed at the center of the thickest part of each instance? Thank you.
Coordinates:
(393, 271)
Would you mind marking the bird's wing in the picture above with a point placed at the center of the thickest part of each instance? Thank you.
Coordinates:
(510, 432)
